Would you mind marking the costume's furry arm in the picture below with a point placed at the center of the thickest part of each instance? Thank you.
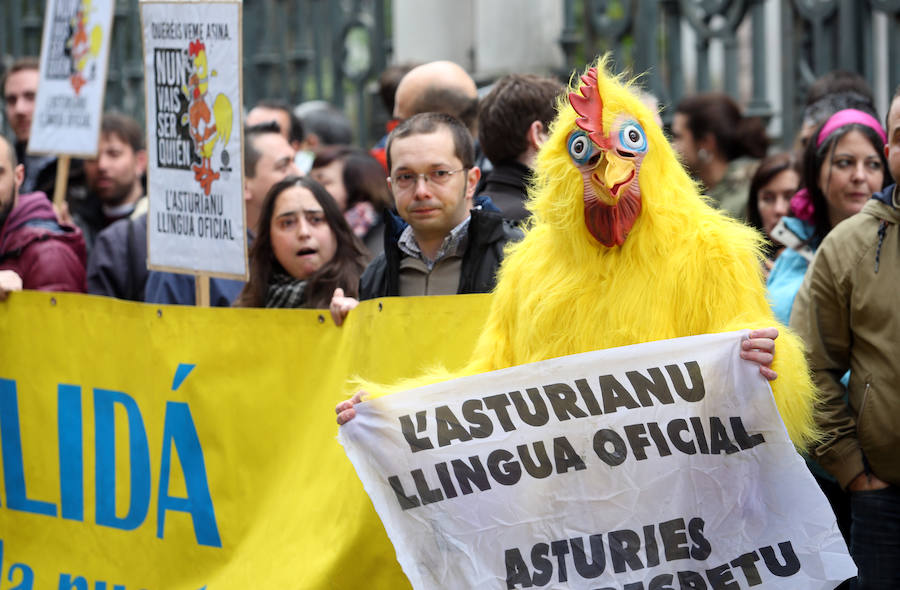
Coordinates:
(794, 391)
(733, 254)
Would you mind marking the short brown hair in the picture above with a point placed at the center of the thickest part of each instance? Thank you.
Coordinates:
(20, 65)
(424, 123)
(123, 127)
(509, 109)
(251, 154)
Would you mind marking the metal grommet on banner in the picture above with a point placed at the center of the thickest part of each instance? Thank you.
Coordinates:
(380, 307)
(321, 319)
(159, 313)
(53, 301)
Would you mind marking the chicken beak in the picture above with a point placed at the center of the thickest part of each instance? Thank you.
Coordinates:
(614, 174)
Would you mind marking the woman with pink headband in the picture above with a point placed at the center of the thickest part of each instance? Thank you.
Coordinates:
(842, 168)
(846, 313)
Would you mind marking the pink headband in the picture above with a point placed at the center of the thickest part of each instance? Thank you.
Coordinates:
(847, 117)
(801, 203)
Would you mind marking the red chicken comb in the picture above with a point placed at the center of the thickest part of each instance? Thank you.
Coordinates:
(196, 47)
(590, 106)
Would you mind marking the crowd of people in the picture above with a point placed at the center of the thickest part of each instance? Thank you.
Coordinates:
(430, 208)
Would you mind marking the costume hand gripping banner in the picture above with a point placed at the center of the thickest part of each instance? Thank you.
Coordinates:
(192, 57)
(74, 58)
(656, 466)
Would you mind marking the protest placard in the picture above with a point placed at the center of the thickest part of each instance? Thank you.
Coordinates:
(192, 69)
(74, 58)
(657, 466)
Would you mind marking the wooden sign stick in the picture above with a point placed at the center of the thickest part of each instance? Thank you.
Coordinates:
(201, 290)
(62, 180)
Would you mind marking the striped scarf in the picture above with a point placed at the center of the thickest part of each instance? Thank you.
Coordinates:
(285, 291)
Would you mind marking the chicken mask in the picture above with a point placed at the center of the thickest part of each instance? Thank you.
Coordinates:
(609, 162)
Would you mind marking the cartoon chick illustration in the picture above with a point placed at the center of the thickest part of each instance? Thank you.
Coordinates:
(207, 127)
(81, 46)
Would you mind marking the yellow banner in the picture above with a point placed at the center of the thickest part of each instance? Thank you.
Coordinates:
(165, 447)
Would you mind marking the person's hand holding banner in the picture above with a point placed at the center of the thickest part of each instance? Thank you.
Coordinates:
(9, 281)
(661, 465)
(346, 410)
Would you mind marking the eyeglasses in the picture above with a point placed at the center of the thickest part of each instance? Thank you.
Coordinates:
(406, 180)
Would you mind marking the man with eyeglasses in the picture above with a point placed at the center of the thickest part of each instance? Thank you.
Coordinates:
(445, 242)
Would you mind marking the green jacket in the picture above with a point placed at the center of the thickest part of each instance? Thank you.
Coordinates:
(849, 317)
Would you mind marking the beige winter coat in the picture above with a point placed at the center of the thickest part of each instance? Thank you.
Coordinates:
(848, 313)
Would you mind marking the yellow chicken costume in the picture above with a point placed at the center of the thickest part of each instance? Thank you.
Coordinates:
(623, 250)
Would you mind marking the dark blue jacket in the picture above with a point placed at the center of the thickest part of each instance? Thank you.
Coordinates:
(117, 266)
(179, 289)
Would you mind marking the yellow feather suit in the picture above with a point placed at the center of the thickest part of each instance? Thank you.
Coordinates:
(684, 269)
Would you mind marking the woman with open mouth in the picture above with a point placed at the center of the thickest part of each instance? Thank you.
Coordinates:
(303, 251)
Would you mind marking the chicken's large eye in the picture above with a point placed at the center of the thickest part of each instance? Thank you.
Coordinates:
(580, 147)
(632, 137)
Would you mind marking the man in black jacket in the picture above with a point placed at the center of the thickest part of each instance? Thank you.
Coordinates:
(117, 265)
(442, 245)
(513, 122)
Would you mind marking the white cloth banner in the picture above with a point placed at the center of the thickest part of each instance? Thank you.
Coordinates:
(192, 70)
(658, 466)
(74, 57)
